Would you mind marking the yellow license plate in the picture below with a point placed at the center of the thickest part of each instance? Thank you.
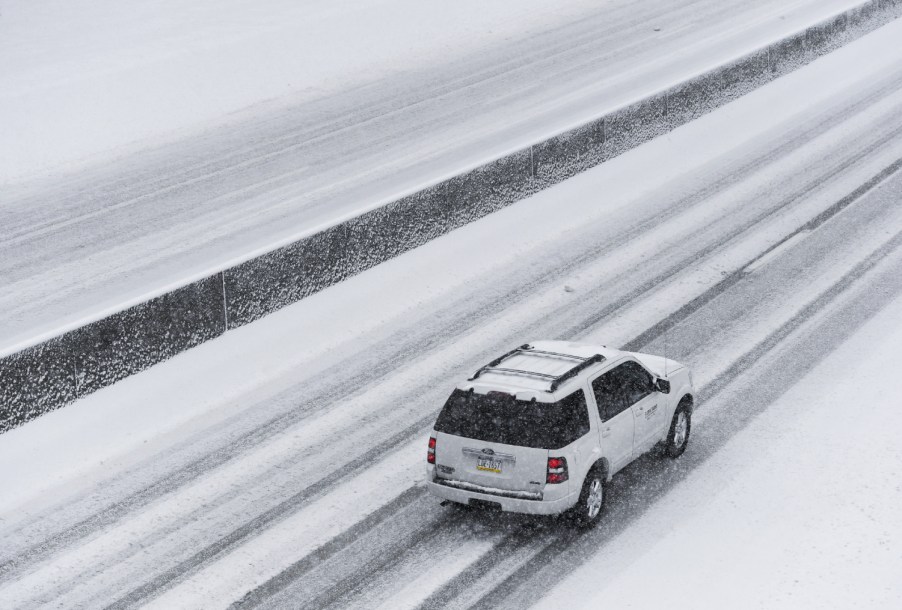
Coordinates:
(488, 465)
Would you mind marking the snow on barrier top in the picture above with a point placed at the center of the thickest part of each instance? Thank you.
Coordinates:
(54, 372)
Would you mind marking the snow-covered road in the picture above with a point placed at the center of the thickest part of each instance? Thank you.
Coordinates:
(795, 506)
(279, 464)
(422, 106)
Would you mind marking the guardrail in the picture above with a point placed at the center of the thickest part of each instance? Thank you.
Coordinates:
(58, 371)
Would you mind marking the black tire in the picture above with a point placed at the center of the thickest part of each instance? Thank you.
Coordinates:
(678, 436)
(586, 513)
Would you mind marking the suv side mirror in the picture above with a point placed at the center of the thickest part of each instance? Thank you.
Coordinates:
(662, 385)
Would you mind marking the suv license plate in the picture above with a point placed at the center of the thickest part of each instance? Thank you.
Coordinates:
(488, 465)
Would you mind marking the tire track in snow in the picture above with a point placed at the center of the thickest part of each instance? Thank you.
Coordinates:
(166, 238)
(427, 418)
(383, 562)
(645, 482)
(524, 291)
(209, 175)
(561, 539)
(520, 538)
(591, 32)
(554, 546)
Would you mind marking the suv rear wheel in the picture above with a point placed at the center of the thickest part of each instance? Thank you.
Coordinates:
(590, 505)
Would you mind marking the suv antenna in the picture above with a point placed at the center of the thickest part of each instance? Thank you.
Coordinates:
(665, 352)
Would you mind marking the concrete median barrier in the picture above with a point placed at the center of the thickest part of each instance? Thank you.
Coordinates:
(56, 372)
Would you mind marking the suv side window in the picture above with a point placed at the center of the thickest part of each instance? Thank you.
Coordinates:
(639, 382)
(577, 405)
(610, 394)
(620, 388)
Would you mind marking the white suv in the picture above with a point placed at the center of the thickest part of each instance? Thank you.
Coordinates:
(543, 428)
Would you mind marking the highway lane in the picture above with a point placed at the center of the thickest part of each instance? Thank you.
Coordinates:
(73, 244)
(793, 326)
(741, 389)
(177, 519)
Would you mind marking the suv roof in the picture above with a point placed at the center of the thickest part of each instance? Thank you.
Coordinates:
(544, 370)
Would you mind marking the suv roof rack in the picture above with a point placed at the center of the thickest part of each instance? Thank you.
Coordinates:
(586, 363)
(556, 380)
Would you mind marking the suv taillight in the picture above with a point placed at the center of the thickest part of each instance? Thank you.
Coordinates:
(557, 470)
(430, 453)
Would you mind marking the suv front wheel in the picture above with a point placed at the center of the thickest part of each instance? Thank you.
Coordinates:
(678, 437)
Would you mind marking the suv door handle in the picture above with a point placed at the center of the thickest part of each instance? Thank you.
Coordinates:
(606, 432)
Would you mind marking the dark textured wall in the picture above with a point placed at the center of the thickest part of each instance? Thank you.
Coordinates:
(562, 157)
(265, 284)
(35, 381)
(55, 373)
(746, 74)
(130, 341)
(489, 188)
(58, 371)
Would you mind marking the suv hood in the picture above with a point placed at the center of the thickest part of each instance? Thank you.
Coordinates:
(658, 364)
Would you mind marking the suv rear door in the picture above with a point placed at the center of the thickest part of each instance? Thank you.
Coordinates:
(488, 464)
(617, 420)
(496, 441)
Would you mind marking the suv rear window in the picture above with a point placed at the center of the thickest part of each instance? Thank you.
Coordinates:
(500, 418)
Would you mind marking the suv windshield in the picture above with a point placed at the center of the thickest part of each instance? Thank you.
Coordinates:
(500, 418)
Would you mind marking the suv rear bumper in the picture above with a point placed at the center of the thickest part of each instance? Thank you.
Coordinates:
(508, 504)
